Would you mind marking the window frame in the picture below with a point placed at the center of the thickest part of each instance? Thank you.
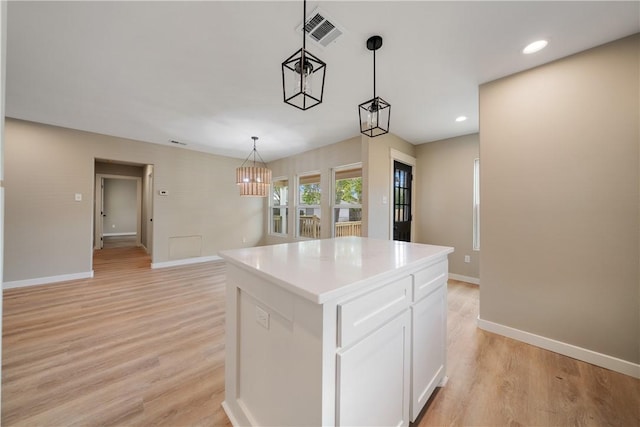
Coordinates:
(273, 206)
(335, 205)
(298, 205)
(476, 204)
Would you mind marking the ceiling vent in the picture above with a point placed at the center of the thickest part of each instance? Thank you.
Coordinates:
(322, 29)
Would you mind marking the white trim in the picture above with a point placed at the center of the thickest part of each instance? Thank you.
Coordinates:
(47, 280)
(230, 414)
(132, 233)
(185, 261)
(575, 352)
(468, 279)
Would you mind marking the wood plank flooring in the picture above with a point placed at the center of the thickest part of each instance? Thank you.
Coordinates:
(497, 381)
(141, 347)
(132, 346)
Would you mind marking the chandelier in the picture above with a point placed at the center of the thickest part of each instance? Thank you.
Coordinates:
(253, 180)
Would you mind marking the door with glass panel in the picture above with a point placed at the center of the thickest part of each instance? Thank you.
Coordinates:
(402, 179)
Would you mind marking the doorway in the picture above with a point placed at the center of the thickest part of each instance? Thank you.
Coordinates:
(402, 217)
(123, 205)
(118, 216)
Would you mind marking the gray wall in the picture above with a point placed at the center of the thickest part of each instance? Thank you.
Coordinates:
(559, 146)
(120, 206)
(46, 165)
(444, 202)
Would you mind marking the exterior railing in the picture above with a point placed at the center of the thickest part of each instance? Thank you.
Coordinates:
(348, 228)
(277, 224)
(310, 227)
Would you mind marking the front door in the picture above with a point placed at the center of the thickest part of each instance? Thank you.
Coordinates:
(402, 178)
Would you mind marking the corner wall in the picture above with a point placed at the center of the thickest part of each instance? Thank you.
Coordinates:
(49, 235)
(444, 203)
(377, 169)
(560, 205)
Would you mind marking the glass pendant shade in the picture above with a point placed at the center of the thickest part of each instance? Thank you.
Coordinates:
(303, 74)
(253, 180)
(375, 115)
(303, 87)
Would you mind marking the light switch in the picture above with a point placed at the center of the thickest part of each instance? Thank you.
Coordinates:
(384, 200)
(78, 197)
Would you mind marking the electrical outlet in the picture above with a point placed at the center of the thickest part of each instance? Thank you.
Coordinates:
(262, 317)
(244, 240)
(467, 258)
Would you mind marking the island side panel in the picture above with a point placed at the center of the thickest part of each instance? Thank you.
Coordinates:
(274, 376)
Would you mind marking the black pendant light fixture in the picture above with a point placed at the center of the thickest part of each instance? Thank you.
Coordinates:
(303, 74)
(253, 180)
(375, 113)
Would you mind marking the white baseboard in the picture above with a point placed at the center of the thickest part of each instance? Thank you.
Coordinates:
(468, 279)
(133, 233)
(185, 261)
(46, 280)
(575, 352)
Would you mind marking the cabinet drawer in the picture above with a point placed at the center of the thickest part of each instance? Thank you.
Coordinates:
(427, 280)
(363, 314)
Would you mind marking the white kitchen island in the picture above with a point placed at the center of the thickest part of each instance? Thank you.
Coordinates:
(345, 331)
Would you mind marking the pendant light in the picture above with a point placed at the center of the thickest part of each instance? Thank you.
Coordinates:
(303, 74)
(253, 180)
(375, 113)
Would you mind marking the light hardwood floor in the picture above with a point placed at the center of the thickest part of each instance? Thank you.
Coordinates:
(141, 347)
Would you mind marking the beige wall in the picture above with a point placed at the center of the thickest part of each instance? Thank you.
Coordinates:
(373, 153)
(120, 206)
(321, 160)
(3, 50)
(560, 198)
(444, 203)
(376, 182)
(46, 165)
(119, 169)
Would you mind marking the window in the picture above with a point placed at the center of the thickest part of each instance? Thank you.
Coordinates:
(476, 204)
(279, 206)
(308, 206)
(347, 208)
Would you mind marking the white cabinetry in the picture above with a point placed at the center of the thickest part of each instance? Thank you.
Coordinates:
(429, 326)
(346, 331)
(373, 377)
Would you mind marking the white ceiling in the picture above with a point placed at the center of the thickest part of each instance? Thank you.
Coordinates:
(208, 73)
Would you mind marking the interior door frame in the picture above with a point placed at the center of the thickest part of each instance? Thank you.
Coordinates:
(395, 155)
(99, 195)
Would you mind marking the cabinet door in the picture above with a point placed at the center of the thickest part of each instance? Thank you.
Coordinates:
(373, 378)
(429, 336)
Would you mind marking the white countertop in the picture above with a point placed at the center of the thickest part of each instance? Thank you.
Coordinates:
(321, 270)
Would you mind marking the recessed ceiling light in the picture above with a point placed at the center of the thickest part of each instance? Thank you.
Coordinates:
(535, 46)
(461, 118)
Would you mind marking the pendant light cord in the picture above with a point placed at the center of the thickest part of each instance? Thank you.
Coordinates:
(304, 30)
(374, 74)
